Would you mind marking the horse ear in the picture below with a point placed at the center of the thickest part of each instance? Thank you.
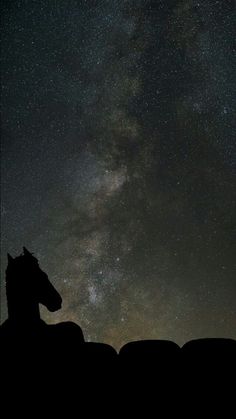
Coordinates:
(10, 258)
(26, 252)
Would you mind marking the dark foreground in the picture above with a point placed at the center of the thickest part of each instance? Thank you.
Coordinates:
(53, 368)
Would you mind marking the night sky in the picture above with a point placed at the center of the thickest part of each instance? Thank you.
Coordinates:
(118, 162)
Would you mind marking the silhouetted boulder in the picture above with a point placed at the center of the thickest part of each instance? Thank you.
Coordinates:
(147, 350)
(208, 370)
(98, 351)
(93, 356)
(157, 354)
(209, 347)
(149, 356)
(213, 354)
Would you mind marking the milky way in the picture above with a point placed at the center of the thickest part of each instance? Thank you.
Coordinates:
(118, 162)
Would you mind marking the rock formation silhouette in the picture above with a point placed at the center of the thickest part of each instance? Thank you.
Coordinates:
(57, 358)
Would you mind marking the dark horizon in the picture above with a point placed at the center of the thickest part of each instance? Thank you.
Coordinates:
(118, 162)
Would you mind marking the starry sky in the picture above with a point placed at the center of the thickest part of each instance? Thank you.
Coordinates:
(118, 162)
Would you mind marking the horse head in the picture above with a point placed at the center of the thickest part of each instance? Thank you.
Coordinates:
(25, 281)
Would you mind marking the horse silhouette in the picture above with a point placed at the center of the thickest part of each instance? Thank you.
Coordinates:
(32, 349)
(27, 286)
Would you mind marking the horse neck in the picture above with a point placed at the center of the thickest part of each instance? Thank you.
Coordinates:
(23, 310)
